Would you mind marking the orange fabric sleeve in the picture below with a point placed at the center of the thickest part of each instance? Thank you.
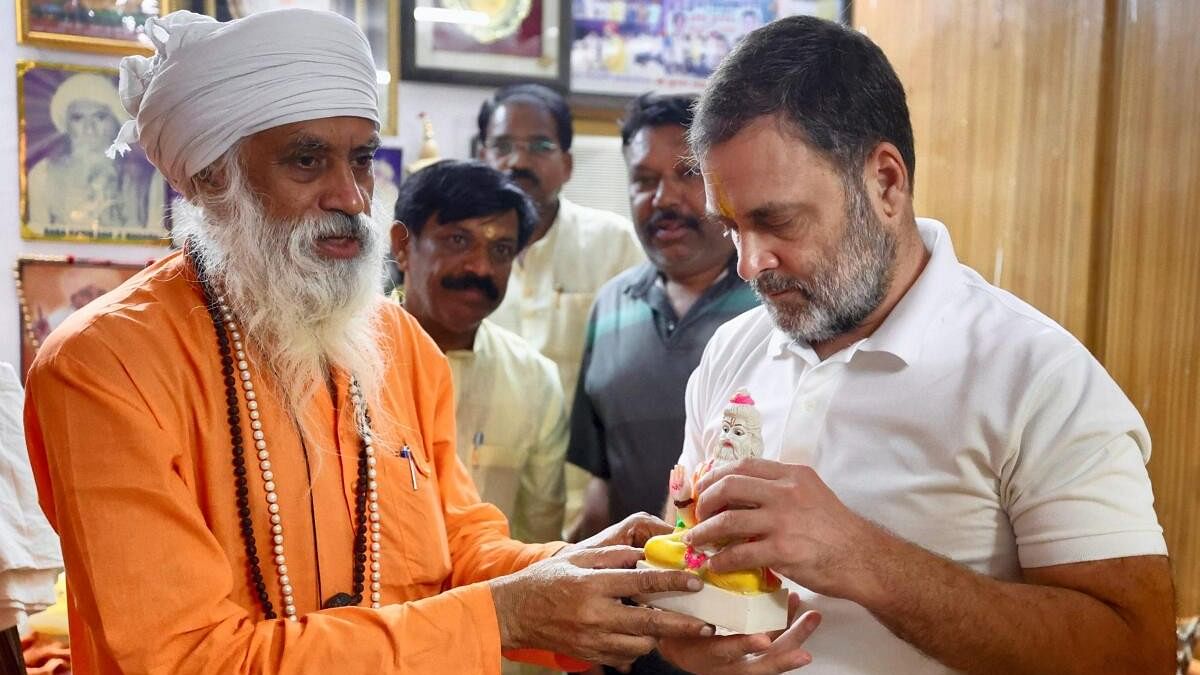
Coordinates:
(110, 480)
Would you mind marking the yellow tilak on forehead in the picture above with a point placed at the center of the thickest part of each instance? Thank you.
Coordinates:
(489, 231)
(720, 197)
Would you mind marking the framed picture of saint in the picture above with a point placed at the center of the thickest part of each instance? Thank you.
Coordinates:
(51, 289)
(67, 117)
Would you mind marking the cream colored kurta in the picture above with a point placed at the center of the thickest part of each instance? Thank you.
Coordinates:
(512, 429)
(550, 296)
(555, 280)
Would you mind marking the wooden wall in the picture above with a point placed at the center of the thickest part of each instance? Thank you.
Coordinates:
(1004, 98)
(1059, 140)
(1148, 330)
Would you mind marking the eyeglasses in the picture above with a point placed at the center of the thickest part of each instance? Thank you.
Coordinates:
(538, 147)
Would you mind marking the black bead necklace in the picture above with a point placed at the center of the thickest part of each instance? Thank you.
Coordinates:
(365, 488)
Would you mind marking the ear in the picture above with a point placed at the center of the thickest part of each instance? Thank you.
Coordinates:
(887, 179)
(569, 164)
(400, 241)
(184, 190)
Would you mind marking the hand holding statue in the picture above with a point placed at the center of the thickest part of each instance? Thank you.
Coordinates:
(573, 604)
(783, 516)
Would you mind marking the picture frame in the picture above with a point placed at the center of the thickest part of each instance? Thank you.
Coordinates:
(522, 41)
(98, 26)
(666, 46)
(388, 167)
(379, 19)
(49, 289)
(67, 117)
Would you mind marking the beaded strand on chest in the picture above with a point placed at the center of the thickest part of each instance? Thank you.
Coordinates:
(235, 369)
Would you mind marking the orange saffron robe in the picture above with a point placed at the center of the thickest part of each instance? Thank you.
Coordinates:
(128, 434)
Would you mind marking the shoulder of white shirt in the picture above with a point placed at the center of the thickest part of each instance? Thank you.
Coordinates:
(517, 350)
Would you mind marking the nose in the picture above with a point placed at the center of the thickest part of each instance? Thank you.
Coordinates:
(667, 194)
(754, 255)
(518, 158)
(344, 193)
(479, 262)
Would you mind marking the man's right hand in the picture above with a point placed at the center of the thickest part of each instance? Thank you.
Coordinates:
(572, 605)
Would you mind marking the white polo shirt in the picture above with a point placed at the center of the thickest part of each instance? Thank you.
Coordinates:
(968, 423)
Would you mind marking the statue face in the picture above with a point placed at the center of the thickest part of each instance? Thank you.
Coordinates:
(739, 437)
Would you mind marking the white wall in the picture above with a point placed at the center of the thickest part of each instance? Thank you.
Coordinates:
(453, 110)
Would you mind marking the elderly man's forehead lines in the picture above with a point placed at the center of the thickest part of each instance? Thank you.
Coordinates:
(306, 142)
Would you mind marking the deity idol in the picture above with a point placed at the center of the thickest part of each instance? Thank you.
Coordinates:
(741, 437)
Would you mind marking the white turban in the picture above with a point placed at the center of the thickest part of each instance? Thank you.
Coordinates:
(84, 87)
(211, 84)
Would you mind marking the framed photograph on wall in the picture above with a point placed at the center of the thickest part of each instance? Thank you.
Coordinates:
(379, 19)
(51, 289)
(67, 118)
(105, 26)
(485, 44)
(623, 48)
(389, 171)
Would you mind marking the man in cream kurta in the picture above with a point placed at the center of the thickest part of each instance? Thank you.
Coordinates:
(550, 295)
(554, 283)
(527, 132)
(458, 228)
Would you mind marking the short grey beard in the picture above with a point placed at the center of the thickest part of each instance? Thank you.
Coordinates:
(305, 316)
(843, 292)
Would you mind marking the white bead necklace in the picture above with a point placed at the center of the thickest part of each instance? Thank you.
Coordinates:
(268, 477)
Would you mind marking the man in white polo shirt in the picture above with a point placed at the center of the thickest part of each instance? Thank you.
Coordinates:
(950, 478)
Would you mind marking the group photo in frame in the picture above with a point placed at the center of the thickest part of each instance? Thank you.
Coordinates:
(485, 44)
(67, 117)
(622, 48)
(50, 289)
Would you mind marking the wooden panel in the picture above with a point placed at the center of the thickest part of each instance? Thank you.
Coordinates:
(1004, 99)
(1150, 337)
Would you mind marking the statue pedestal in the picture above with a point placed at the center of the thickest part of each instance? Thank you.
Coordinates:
(731, 613)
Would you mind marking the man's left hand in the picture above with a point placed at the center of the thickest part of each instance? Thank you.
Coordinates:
(783, 516)
(633, 531)
(754, 654)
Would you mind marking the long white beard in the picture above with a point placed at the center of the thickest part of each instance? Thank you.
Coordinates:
(306, 316)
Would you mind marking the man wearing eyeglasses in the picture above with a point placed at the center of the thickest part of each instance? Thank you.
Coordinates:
(526, 133)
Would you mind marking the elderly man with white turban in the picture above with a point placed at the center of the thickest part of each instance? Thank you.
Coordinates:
(248, 451)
